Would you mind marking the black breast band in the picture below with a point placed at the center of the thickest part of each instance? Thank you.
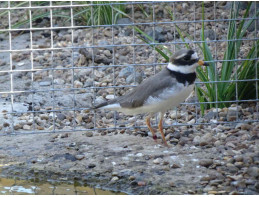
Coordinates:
(183, 78)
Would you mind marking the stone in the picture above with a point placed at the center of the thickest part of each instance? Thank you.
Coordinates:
(206, 139)
(132, 178)
(253, 171)
(158, 161)
(59, 81)
(196, 140)
(183, 141)
(123, 21)
(45, 83)
(125, 72)
(138, 78)
(78, 84)
(26, 127)
(79, 157)
(110, 97)
(61, 116)
(158, 34)
(141, 183)
(172, 184)
(114, 179)
(17, 126)
(206, 162)
(174, 166)
(175, 115)
(91, 165)
(6, 124)
(210, 115)
(210, 33)
(243, 126)
(89, 134)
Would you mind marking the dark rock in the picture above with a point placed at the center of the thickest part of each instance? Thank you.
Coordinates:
(232, 169)
(206, 162)
(123, 21)
(183, 141)
(91, 165)
(89, 134)
(6, 124)
(177, 134)
(174, 166)
(67, 156)
(134, 183)
(61, 116)
(212, 36)
(158, 34)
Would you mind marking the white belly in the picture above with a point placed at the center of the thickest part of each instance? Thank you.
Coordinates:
(168, 99)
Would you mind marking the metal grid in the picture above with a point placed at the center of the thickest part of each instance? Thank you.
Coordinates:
(40, 117)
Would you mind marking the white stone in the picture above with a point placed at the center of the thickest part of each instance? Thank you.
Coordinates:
(110, 97)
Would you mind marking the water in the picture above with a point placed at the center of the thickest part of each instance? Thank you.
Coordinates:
(17, 187)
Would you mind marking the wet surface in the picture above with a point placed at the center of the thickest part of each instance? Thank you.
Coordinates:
(15, 186)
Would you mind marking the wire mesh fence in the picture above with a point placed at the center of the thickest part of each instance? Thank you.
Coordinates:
(58, 59)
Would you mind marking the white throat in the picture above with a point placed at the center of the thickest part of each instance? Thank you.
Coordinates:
(182, 69)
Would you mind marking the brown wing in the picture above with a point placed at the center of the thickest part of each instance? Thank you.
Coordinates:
(153, 86)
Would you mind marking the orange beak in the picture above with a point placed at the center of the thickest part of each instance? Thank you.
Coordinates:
(202, 63)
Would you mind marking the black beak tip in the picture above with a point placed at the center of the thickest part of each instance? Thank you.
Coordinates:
(206, 64)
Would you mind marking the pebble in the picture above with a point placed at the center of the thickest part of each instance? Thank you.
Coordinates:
(253, 171)
(114, 179)
(45, 83)
(174, 166)
(78, 84)
(206, 162)
(91, 165)
(172, 184)
(142, 183)
(125, 72)
(6, 124)
(79, 157)
(132, 178)
(175, 115)
(157, 161)
(26, 127)
(61, 116)
(139, 154)
(110, 97)
(89, 134)
(243, 126)
(206, 139)
(196, 140)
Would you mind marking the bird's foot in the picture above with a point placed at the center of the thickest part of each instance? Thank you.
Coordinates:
(155, 137)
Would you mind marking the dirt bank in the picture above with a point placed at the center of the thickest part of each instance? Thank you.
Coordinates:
(135, 165)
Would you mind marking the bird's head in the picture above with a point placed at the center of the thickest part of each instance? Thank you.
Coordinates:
(185, 61)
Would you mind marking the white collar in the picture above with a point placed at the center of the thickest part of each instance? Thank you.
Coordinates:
(182, 69)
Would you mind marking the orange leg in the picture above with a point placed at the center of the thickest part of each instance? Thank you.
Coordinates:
(160, 127)
(150, 128)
